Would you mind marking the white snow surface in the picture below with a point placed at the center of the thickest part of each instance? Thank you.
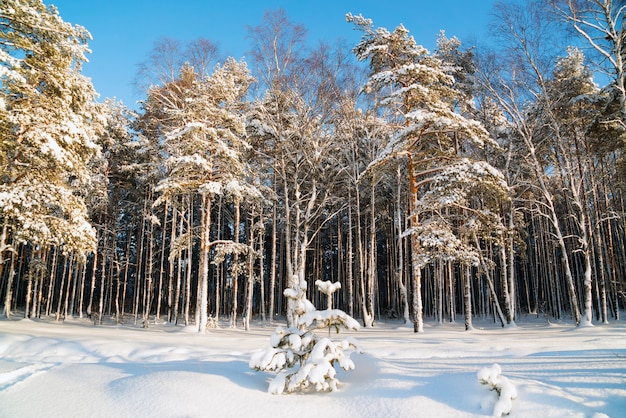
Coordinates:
(75, 369)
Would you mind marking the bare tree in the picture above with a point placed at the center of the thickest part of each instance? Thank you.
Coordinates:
(600, 23)
(167, 58)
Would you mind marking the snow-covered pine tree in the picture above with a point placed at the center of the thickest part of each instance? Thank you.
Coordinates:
(458, 210)
(302, 358)
(418, 88)
(203, 130)
(48, 120)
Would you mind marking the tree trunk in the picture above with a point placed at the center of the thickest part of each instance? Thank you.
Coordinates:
(404, 300)
(467, 298)
(189, 259)
(8, 298)
(504, 280)
(203, 280)
(139, 270)
(418, 320)
(52, 280)
(350, 262)
(371, 276)
(273, 261)
(261, 252)
(247, 317)
(171, 266)
(362, 266)
(235, 268)
(81, 292)
(60, 298)
(159, 296)
(511, 276)
(148, 287)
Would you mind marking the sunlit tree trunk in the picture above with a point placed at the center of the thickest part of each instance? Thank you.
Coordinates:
(205, 248)
(418, 320)
(404, 300)
(172, 266)
(81, 291)
(371, 262)
(52, 280)
(235, 270)
(66, 266)
(148, 292)
(247, 316)
(159, 296)
(273, 260)
(261, 254)
(8, 298)
(188, 259)
(350, 262)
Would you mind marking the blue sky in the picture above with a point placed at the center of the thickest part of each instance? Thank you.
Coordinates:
(124, 31)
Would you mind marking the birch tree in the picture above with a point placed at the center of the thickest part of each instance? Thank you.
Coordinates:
(570, 107)
(292, 120)
(515, 92)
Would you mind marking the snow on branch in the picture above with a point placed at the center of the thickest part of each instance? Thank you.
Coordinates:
(330, 318)
(438, 242)
(492, 377)
(224, 248)
(454, 183)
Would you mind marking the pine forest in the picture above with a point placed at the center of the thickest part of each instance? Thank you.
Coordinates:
(440, 185)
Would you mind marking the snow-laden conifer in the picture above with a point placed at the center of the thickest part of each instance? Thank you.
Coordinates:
(303, 359)
(203, 126)
(427, 109)
(48, 122)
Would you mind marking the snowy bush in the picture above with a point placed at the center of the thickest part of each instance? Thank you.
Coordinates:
(303, 359)
(491, 376)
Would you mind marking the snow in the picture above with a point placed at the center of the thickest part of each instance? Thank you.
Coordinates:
(327, 287)
(74, 369)
(492, 376)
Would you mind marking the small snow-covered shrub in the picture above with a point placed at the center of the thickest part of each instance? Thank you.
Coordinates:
(491, 376)
(303, 359)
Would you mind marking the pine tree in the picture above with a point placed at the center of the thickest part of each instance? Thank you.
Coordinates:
(203, 130)
(48, 121)
(417, 85)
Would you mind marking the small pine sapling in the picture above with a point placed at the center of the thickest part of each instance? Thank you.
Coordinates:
(302, 359)
(492, 377)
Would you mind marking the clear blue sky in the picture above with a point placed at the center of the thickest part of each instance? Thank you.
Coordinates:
(124, 30)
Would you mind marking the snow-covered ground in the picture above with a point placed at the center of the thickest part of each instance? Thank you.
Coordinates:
(74, 369)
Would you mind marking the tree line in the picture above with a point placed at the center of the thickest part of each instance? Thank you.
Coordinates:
(460, 182)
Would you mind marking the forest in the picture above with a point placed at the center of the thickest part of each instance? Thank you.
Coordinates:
(483, 181)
